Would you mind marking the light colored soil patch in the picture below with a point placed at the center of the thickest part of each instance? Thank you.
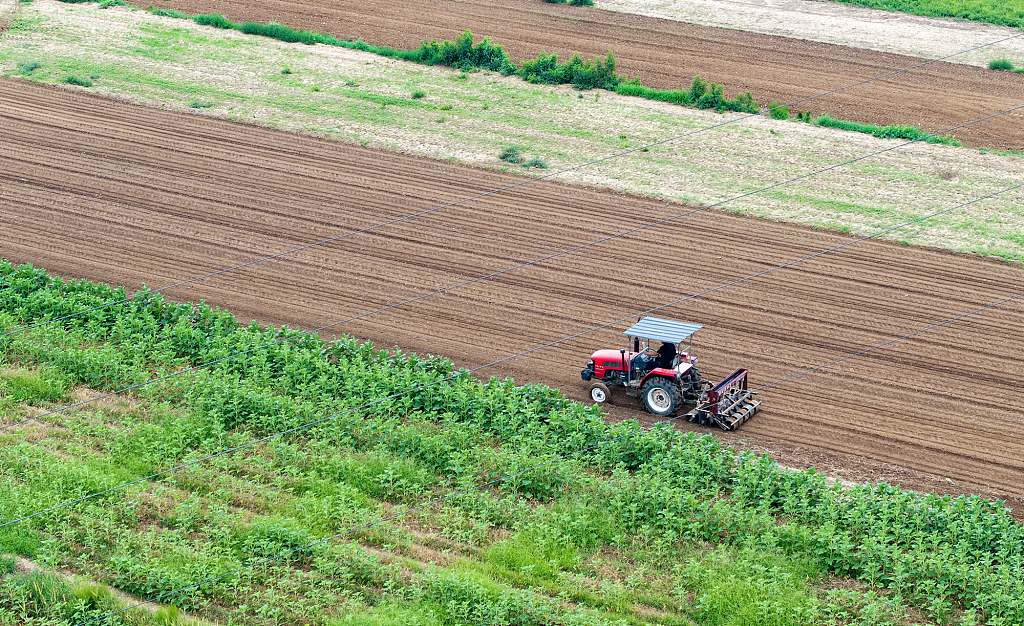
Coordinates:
(359, 97)
(840, 24)
(8, 8)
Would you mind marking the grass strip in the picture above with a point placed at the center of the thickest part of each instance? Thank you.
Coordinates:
(1001, 13)
(886, 132)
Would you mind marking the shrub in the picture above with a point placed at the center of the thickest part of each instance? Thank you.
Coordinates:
(74, 80)
(803, 116)
(511, 154)
(581, 74)
(536, 162)
(286, 71)
(1000, 64)
(461, 53)
(416, 95)
(778, 112)
(26, 69)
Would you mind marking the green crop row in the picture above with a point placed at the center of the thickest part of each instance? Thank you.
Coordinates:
(943, 554)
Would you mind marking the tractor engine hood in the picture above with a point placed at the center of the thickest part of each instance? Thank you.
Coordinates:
(600, 357)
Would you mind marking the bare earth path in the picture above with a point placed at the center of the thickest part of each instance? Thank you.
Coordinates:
(103, 190)
(668, 54)
(840, 24)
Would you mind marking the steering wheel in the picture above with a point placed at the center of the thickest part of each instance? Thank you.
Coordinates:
(649, 354)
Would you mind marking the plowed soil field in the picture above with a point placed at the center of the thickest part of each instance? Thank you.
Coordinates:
(668, 54)
(107, 191)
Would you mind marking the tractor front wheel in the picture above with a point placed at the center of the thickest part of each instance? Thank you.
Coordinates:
(662, 397)
(599, 392)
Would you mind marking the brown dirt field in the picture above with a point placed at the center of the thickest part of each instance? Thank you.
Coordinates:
(668, 54)
(99, 189)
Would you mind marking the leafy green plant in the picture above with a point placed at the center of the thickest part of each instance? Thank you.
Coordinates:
(286, 71)
(199, 104)
(1000, 64)
(7, 564)
(581, 3)
(113, 3)
(416, 95)
(74, 80)
(537, 162)
(803, 116)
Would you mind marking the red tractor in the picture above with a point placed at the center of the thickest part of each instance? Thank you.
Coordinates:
(667, 378)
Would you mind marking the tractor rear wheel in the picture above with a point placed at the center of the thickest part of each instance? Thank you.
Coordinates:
(662, 397)
(599, 392)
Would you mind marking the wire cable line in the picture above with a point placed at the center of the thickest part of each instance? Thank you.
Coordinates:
(507, 269)
(499, 190)
(504, 359)
(570, 455)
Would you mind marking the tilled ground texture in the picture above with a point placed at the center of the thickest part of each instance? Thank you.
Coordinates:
(668, 54)
(98, 189)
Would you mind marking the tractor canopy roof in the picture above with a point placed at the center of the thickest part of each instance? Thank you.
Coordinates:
(665, 331)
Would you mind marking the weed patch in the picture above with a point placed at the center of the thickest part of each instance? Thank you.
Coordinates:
(26, 69)
(1000, 64)
(74, 80)
(511, 154)
(34, 387)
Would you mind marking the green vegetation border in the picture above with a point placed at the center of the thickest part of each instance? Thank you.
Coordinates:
(1000, 12)
(946, 555)
(545, 69)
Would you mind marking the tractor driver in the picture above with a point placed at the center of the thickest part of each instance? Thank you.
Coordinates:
(666, 354)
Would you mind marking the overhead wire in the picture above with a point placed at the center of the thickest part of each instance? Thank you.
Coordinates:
(495, 481)
(495, 191)
(505, 359)
(493, 274)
